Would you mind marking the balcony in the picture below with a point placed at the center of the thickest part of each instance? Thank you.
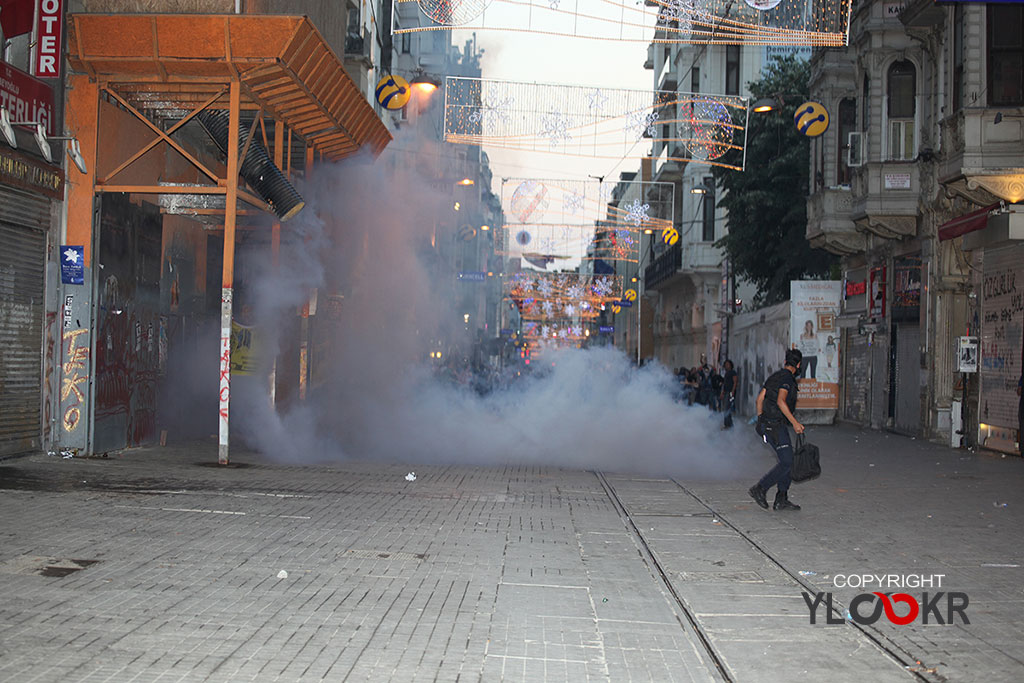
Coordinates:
(981, 159)
(829, 226)
(357, 49)
(664, 267)
(667, 170)
(702, 257)
(884, 198)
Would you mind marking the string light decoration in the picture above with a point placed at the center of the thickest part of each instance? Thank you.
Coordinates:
(702, 22)
(595, 123)
(552, 219)
(550, 295)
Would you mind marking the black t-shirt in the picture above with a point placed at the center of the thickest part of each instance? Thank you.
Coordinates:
(730, 376)
(783, 379)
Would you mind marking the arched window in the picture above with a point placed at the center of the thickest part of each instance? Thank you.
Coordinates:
(901, 84)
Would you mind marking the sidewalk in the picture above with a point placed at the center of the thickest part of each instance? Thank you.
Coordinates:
(159, 565)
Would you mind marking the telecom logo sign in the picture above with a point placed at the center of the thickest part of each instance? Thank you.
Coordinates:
(930, 607)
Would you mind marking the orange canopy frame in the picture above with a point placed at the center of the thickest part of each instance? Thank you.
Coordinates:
(167, 64)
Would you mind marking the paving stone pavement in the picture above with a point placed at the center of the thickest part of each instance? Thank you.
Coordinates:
(157, 565)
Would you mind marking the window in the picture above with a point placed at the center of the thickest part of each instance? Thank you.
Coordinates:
(708, 201)
(866, 104)
(406, 43)
(900, 109)
(1005, 55)
(847, 125)
(732, 69)
(695, 79)
(958, 57)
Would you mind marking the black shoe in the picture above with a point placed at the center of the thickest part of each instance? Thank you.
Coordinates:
(758, 494)
(782, 502)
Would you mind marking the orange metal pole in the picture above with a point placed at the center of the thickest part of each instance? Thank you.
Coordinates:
(227, 282)
(83, 106)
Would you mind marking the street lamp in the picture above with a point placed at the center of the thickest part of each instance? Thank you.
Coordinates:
(424, 83)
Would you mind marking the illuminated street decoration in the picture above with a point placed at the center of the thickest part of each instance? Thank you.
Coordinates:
(701, 22)
(548, 220)
(608, 123)
(587, 293)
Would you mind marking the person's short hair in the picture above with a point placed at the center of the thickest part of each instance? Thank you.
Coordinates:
(794, 358)
(728, 361)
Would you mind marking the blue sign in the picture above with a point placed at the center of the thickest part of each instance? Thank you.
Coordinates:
(473, 276)
(72, 264)
(625, 304)
(506, 332)
(605, 329)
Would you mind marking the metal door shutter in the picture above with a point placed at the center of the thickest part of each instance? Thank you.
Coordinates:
(23, 220)
(908, 379)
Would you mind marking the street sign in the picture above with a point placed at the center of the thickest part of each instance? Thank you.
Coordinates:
(72, 258)
(605, 329)
(472, 276)
(625, 304)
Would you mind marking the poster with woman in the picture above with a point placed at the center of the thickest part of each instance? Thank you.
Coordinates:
(814, 305)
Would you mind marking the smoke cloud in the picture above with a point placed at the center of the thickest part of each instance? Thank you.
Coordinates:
(366, 233)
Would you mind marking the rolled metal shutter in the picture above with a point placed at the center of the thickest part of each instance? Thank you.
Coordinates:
(24, 218)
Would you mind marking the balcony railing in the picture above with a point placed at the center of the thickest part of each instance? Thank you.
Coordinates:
(353, 45)
(665, 266)
(701, 256)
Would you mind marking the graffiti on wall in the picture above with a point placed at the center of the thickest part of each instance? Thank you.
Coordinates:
(76, 358)
(49, 362)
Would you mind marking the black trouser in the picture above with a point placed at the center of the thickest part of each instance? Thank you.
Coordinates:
(811, 363)
(776, 435)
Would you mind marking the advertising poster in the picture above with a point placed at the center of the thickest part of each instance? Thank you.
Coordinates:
(814, 305)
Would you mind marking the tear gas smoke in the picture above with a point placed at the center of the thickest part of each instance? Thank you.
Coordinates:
(370, 232)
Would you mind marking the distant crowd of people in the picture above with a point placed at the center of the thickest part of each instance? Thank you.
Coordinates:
(704, 385)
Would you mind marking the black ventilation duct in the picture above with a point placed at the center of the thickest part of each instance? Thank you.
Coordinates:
(257, 168)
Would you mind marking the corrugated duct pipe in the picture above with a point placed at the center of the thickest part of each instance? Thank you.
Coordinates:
(257, 168)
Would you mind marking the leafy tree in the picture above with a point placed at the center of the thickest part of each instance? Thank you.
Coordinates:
(767, 207)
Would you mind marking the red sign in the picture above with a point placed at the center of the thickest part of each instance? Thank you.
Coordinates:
(16, 17)
(49, 27)
(855, 288)
(26, 98)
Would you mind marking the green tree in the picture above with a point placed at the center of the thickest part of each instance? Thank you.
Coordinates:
(767, 203)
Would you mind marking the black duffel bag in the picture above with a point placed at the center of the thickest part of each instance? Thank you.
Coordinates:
(806, 465)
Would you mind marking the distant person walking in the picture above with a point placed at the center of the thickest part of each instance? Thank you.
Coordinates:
(775, 405)
(728, 396)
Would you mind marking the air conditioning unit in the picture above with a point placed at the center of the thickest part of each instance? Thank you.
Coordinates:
(857, 150)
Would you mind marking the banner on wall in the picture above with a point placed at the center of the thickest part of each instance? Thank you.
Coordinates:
(814, 306)
(243, 349)
(1002, 331)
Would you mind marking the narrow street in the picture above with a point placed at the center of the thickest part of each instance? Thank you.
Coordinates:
(156, 564)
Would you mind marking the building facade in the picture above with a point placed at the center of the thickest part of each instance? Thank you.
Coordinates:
(689, 284)
(914, 185)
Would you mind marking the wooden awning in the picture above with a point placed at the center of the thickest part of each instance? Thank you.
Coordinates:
(166, 64)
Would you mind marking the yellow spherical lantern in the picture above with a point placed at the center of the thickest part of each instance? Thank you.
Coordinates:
(630, 295)
(670, 236)
(616, 308)
(393, 92)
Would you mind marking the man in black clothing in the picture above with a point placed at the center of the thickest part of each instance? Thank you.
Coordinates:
(775, 406)
(728, 397)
